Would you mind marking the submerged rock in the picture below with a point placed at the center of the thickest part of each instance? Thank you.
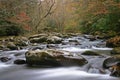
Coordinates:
(19, 61)
(91, 53)
(53, 58)
(5, 59)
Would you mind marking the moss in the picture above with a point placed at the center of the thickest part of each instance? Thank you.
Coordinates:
(90, 53)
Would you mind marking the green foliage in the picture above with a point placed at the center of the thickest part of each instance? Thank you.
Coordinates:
(102, 22)
(8, 29)
(13, 30)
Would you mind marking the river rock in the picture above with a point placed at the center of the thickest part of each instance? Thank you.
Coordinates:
(54, 40)
(115, 70)
(12, 46)
(110, 61)
(38, 35)
(90, 37)
(5, 59)
(22, 41)
(91, 53)
(2, 47)
(19, 61)
(38, 40)
(53, 58)
(76, 42)
(113, 42)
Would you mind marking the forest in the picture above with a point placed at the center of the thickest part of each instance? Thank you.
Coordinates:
(59, 39)
(64, 16)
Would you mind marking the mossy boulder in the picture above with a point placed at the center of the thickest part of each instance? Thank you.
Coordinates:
(52, 57)
(90, 53)
(39, 57)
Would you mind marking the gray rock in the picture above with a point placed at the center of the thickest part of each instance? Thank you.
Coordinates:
(110, 61)
(5, 59)
(54, 40)
(52, 57)
(19, 61)
(12, 46)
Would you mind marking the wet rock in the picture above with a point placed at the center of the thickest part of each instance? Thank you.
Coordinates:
(90, 53)
(113, 42)
(38, 40)
(115, 51)
(90, 37)
(39, 57)
(2, 47)
(17, 54)
(110, 61)
(115, 70)
(35, 48)
(51, 46)
(37, 36)
(54, 40)
(12, 46)
(19, 61)
(5, 59)
(53, 58)
(76, 42)
(23, 41)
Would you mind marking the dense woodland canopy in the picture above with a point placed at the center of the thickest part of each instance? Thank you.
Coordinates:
(35, 16)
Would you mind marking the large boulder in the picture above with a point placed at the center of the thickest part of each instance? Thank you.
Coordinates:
(113, 42)
(53, 58)
(110, 61)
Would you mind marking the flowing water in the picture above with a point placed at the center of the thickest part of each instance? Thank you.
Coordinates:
(90, 71)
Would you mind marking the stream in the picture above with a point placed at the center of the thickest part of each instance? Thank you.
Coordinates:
(90, 71)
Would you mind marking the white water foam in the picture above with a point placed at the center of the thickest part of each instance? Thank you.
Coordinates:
(60, 72)
(74, 49)
(95, 48)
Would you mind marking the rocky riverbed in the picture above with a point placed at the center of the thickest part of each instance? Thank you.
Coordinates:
(91, 50)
